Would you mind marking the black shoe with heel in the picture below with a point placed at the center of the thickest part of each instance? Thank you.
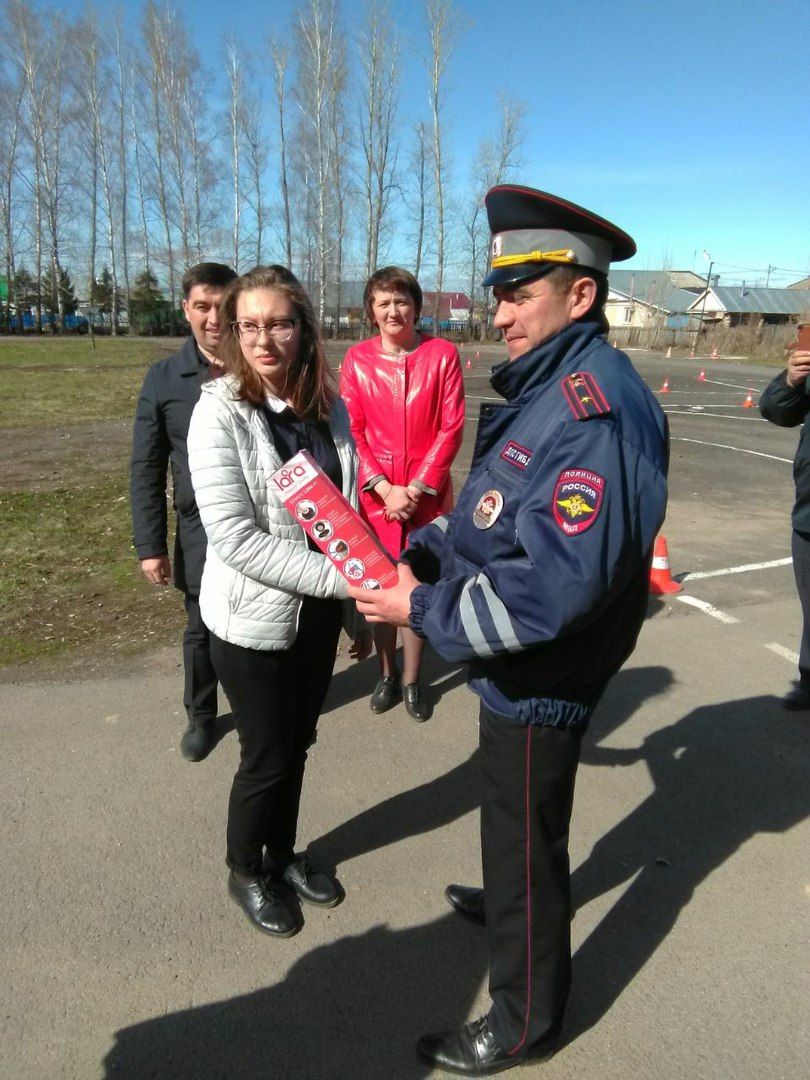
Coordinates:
(415, 701)
(386, 694)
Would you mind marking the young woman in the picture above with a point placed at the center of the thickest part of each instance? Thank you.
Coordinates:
(271, 601)
(405, 397)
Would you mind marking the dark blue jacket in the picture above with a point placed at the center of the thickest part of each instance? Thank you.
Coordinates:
(170, 391)
(788, 406)
(539, 577)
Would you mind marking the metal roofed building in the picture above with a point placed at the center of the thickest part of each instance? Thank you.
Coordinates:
(639, 298)
(743, 305)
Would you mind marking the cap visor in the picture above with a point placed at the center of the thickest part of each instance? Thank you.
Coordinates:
(510, 275)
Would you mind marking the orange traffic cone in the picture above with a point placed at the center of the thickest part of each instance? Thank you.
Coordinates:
(477, 355)
(469, 362)
(749, 401)
(702, 376)
(615, 344)
(669, 353)
(665, 388)
(660, 578)
(714, 353)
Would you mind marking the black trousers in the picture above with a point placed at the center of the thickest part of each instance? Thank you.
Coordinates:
(276, 698)
(528, 775)
(200, 689)
(800, 549)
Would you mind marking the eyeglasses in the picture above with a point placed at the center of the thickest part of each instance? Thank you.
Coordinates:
(248, 332)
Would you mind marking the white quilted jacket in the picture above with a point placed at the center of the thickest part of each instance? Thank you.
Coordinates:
(257, 565)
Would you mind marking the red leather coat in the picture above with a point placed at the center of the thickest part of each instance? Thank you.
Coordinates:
(407, 419)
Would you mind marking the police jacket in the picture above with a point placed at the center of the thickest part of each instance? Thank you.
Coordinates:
(170, 391)
(539, 577)
(788, 406)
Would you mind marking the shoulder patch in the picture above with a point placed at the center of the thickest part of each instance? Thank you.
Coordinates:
(577, 500)
(584, 396)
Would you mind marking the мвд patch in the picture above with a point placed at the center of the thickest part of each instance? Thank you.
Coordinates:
(577, 500)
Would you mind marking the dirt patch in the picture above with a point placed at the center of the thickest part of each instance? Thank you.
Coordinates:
(43, 459)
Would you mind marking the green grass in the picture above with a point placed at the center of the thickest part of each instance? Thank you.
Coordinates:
(62, 382)
(69, 577)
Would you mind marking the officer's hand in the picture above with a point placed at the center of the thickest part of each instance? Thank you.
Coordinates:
(392, 605)
(798, 366)
(158, 570)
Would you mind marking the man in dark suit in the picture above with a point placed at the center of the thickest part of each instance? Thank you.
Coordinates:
(170, 391)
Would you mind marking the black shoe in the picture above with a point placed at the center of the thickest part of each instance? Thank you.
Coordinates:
(467, 901)
(312, 885)
(415, 701)
(197, 741)
(386, 694)
(471, 1050)
(798, 698)
(265, 909)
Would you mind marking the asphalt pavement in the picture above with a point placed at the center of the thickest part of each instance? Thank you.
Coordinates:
(123, 957)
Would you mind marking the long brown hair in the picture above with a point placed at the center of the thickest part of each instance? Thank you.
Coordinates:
(311, 383)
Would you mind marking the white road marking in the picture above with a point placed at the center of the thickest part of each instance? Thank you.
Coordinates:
(780, 650)
(708, 609)
(702, 575)
(739, 449)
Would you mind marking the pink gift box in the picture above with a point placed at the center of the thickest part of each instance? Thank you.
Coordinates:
(334, 525)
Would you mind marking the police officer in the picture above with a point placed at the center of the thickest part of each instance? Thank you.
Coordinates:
(539, 580)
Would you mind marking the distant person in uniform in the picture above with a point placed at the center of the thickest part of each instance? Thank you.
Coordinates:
(170, 391)
(539, 580)
(786, 402)
(405, 396)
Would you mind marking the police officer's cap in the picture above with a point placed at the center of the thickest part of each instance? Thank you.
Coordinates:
(532, 232)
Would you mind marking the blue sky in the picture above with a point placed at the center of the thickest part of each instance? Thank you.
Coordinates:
(684, 122)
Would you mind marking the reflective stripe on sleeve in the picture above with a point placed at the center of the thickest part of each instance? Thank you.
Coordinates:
(500, 616)
(441, 523)
(469, 620)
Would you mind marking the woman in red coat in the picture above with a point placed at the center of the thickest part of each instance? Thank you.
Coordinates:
(405, 397)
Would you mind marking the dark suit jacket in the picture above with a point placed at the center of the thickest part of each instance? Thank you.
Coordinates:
(170, 391)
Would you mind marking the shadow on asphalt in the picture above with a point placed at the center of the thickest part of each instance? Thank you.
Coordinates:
(722, 775)
(353, 1008)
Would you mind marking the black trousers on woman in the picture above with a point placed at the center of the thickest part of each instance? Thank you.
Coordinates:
(276, 698)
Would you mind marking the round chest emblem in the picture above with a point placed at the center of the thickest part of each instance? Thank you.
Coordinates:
(489, 507)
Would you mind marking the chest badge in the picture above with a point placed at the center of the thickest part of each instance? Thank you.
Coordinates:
(488, 509)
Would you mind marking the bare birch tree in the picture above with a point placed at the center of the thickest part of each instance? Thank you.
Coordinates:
(236, 124)
(443, 32)
(279, 55)
(121, 98)
(495, 160)
(11, 99)
(315, 40)
(379, 61)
